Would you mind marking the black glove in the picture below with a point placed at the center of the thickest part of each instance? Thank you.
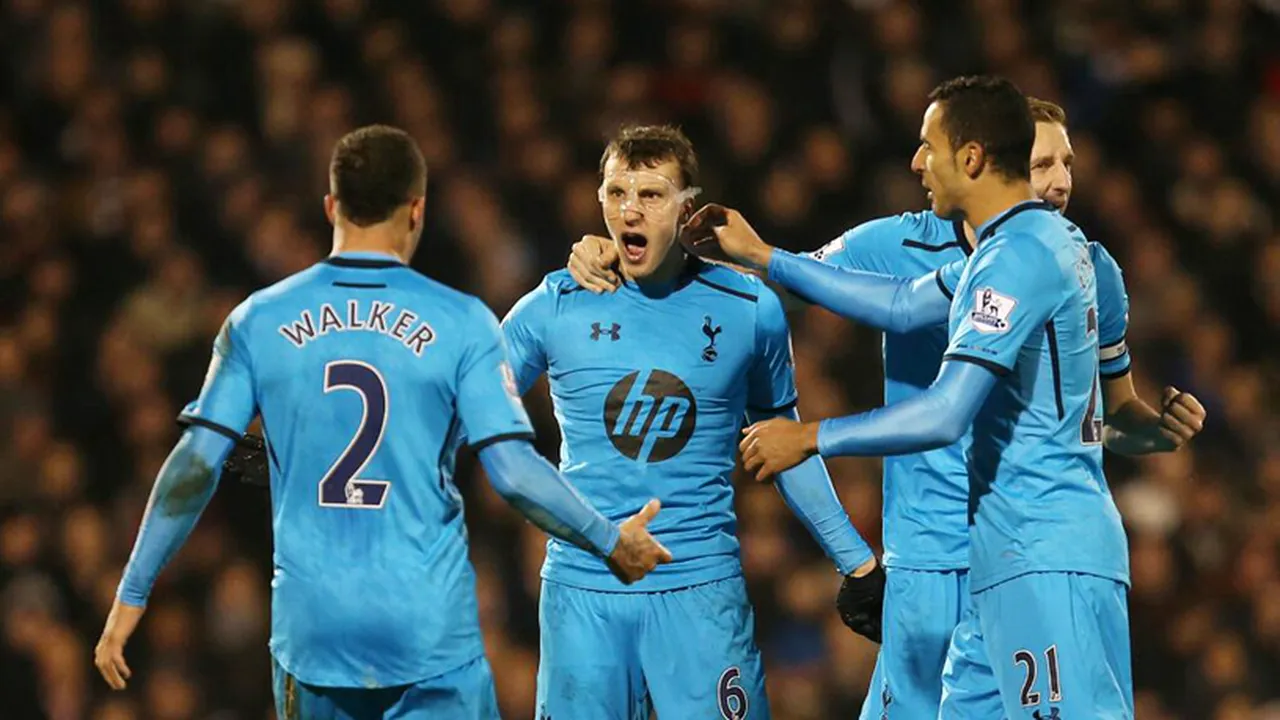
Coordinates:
(861, 602)
(248, 462)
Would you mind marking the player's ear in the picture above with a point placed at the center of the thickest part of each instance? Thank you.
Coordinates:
(686, 212)
(331, 209)
(417, 208)
(972, 158)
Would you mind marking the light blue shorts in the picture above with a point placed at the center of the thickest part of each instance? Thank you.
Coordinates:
(921, 610)
(1042, 646)
(687, 653)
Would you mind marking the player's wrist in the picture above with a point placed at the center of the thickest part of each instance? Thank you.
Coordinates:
(865, 568)
(758, 256)
(607, 539)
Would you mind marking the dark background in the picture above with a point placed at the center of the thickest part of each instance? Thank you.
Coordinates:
(161, 159)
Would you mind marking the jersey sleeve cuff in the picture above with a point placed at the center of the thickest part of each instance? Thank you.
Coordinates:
(482, 444)
(188, 420)
(995, 367)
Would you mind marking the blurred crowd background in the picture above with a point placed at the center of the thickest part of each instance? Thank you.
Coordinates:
(160, 159)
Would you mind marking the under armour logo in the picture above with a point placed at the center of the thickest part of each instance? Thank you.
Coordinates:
(1053, 715)
(709, 353)
(612, 332)
(886, 699)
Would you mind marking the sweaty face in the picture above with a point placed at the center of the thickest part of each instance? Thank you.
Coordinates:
(1051, 160)
(642, 208)
(935, 163)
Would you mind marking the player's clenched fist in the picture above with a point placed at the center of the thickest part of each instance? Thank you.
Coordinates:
(775, 445)
(637, 552)
(593, 262)
(108, 656)
(1181, 416)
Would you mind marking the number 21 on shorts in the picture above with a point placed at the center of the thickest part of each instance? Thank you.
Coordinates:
(1030, 697)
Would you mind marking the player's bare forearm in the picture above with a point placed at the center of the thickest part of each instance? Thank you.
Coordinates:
(1133, 427)
(182, 490)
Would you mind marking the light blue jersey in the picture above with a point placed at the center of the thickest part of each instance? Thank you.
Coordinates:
(365, 374)
(1026, 307)
(926, 524)
(650, 393)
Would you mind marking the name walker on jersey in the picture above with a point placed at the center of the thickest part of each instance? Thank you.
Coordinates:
(361, 316)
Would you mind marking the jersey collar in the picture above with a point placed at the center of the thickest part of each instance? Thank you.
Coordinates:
(364, 259)
(989, 228)
(957, 226)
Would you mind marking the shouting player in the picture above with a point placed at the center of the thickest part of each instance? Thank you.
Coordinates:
(651, 385)
(1047, 632)
(366, 375)
(926, 494)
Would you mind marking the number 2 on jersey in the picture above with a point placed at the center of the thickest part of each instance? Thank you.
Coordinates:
(341, 486)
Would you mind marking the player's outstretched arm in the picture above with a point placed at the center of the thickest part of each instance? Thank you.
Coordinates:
(881, 301)
(885, 302)
(181, 492)
(1133, 427)
(935, 418)
(535, 488)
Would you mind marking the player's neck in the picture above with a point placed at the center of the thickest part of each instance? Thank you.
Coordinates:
(665, 275)
(986, 203)
(375, 239)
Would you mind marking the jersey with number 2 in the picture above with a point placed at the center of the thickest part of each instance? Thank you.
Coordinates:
(1026, 307)
(365, 374)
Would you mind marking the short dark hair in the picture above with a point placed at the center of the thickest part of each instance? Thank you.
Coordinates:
(992, 112)
(651, 145)
(1043, 111)
(374, 171)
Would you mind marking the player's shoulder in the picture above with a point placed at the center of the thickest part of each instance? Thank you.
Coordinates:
(558, 282)
(920, 229)
(728, 284)
(276, 294)
(1101, 257)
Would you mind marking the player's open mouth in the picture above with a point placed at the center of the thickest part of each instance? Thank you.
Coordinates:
(634, 244)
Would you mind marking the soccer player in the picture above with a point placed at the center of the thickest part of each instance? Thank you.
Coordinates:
(1047, 632)
(651, 385)
(926, 494)
(367, 376)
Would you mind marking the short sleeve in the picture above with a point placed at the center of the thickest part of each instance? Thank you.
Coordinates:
(865, 247)
(1113, 314)
(227, 402)
(772, 380)
(948, 277)
(1008, 295)
(524, 329)
(488, 400)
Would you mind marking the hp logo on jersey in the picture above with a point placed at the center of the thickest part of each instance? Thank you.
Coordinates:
(650, 416)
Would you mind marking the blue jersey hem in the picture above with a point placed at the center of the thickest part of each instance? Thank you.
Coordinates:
(985, 581)
(336, 681)
(945, 564)
(655, 582)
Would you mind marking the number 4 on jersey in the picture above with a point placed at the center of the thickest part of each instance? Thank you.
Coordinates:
(341, 486)
(1090, 426)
